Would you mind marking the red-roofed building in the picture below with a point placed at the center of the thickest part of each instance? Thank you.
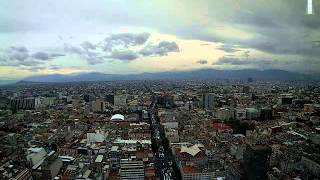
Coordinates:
(221, 127)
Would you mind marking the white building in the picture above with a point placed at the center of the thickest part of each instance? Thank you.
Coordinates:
(35, 155)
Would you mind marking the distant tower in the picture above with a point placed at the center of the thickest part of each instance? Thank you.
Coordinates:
(309, 7)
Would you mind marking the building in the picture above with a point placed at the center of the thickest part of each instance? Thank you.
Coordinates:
(165, 101)
(208, 101)
(98, 106)
(110, 99)
(88, 97)
(117, 118)
(286, 99)
(131, 170)
(266, 114)
(256, 161)
(120, 100)
(252, 113)
(172, 135)
(225, 114)
(25, 103)
(35, 155)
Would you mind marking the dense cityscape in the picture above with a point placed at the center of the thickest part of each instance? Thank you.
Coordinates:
(204, 129)
(160, 90)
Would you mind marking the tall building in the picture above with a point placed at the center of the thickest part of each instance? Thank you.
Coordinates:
(98, 106)
(266, 114)
(256, 161)
(208, 101)
(110, 99)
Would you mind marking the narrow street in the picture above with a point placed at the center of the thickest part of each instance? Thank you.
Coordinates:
(166, 168)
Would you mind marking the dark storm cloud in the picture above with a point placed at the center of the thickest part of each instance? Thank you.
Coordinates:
(276, 27)
(281, 31)
(162, 49)
(202, 61)
(126, 55)
(261, 19)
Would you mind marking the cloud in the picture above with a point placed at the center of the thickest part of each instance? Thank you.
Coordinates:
(41, 56)
(119, 47)
(229, 48)
(232, 61)
(73, 49)
(88, 45)
(202, 61)
(129, 39)
(54, 55)
(125, 40)
(257, 63)
(29, 62)
(18, 56)
(19, 48)
(18, 53)
(261, 19)
(124, 55)
(115, 46)
(93, 60)
(33, 68)
(55, 67)
(162, 49)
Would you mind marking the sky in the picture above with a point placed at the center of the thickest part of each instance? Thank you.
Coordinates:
(127, 36)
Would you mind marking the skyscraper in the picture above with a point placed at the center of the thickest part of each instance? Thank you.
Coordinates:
(208, 101)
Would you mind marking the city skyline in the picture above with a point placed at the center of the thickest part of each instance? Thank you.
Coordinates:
(129, 37)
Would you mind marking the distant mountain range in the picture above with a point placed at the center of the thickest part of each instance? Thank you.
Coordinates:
(195, 74)
(6, 82)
